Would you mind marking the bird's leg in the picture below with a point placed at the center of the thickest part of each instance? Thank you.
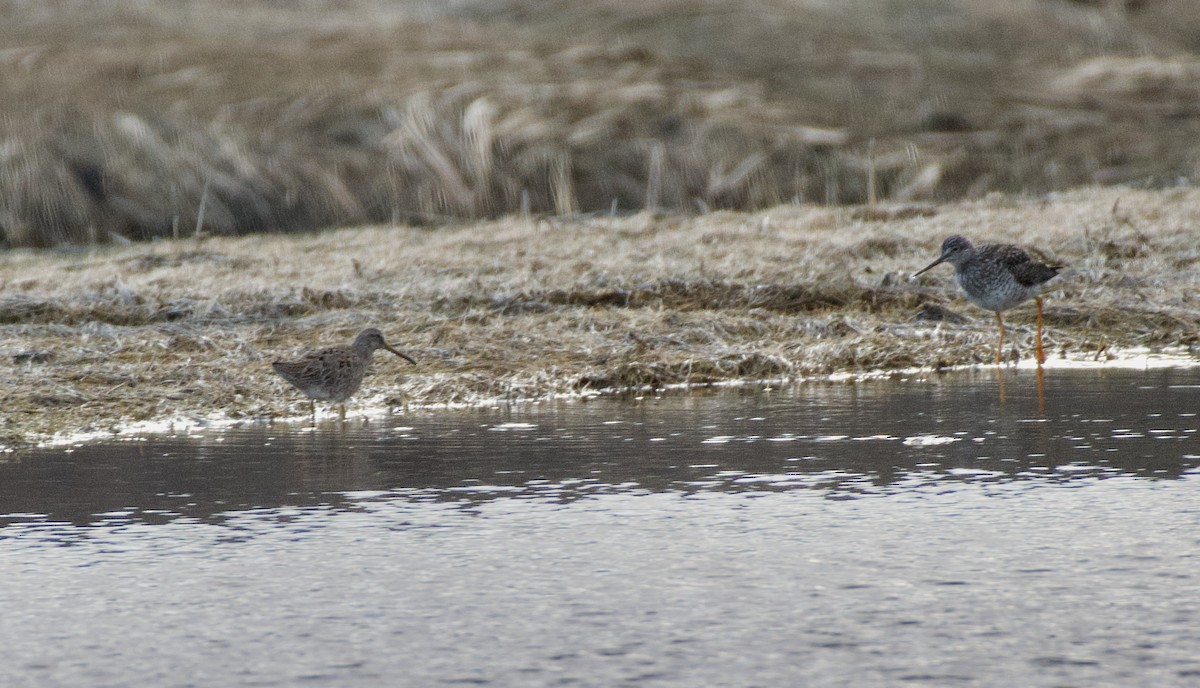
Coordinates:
(342, 413)
(1041, 353)
(1041, 389)
(1000, 345)
(312, 410)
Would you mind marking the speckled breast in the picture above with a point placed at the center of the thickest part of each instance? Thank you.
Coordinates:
(994, 291)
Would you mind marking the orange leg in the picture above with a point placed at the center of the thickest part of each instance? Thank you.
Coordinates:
(1000, 345)
(1041, 353)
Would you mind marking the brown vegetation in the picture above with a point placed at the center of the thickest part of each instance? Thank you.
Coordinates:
(132, 120)
(523, 308)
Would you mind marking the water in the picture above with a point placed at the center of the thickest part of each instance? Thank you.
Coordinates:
(889, 532)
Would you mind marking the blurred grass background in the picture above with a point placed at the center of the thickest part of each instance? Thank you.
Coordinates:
(129, 119)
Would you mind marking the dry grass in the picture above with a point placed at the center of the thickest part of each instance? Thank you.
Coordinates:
(117, 117)
(522, 308)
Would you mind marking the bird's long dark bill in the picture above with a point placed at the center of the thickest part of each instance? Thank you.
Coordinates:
(401, 355)
(934, 264)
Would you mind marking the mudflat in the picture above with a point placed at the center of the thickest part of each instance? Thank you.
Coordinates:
(526, 307)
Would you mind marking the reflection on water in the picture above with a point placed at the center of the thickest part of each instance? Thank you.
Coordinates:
(889, 530)
(846, 440)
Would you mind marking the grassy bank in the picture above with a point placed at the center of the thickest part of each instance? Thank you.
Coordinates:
(526, 307)
(121, 119)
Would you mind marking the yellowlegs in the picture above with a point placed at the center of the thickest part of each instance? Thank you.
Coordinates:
(997, 277)
(336, 372)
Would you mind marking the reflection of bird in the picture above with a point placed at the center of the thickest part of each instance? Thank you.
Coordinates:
(336, 372)
(997, 277)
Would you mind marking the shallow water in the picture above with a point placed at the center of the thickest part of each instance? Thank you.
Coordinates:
(886, 532)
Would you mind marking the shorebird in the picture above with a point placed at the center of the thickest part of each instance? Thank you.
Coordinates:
(335, 373)
(997, 277)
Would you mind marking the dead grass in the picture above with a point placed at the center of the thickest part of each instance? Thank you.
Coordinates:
(120, 119)
(523, 308)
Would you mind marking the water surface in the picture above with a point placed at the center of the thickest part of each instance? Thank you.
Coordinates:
(887, 532)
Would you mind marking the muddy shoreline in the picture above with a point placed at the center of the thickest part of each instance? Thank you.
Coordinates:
(528, 307)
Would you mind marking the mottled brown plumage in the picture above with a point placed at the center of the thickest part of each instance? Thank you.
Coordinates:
(335, 373)
(997, 277)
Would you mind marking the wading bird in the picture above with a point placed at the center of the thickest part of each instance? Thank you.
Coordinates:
(335, 373)
(997, 277)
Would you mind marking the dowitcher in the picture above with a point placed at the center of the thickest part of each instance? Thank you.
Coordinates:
(335, 373)
(997, 277)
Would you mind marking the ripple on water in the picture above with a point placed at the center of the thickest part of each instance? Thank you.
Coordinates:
(866, 525)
